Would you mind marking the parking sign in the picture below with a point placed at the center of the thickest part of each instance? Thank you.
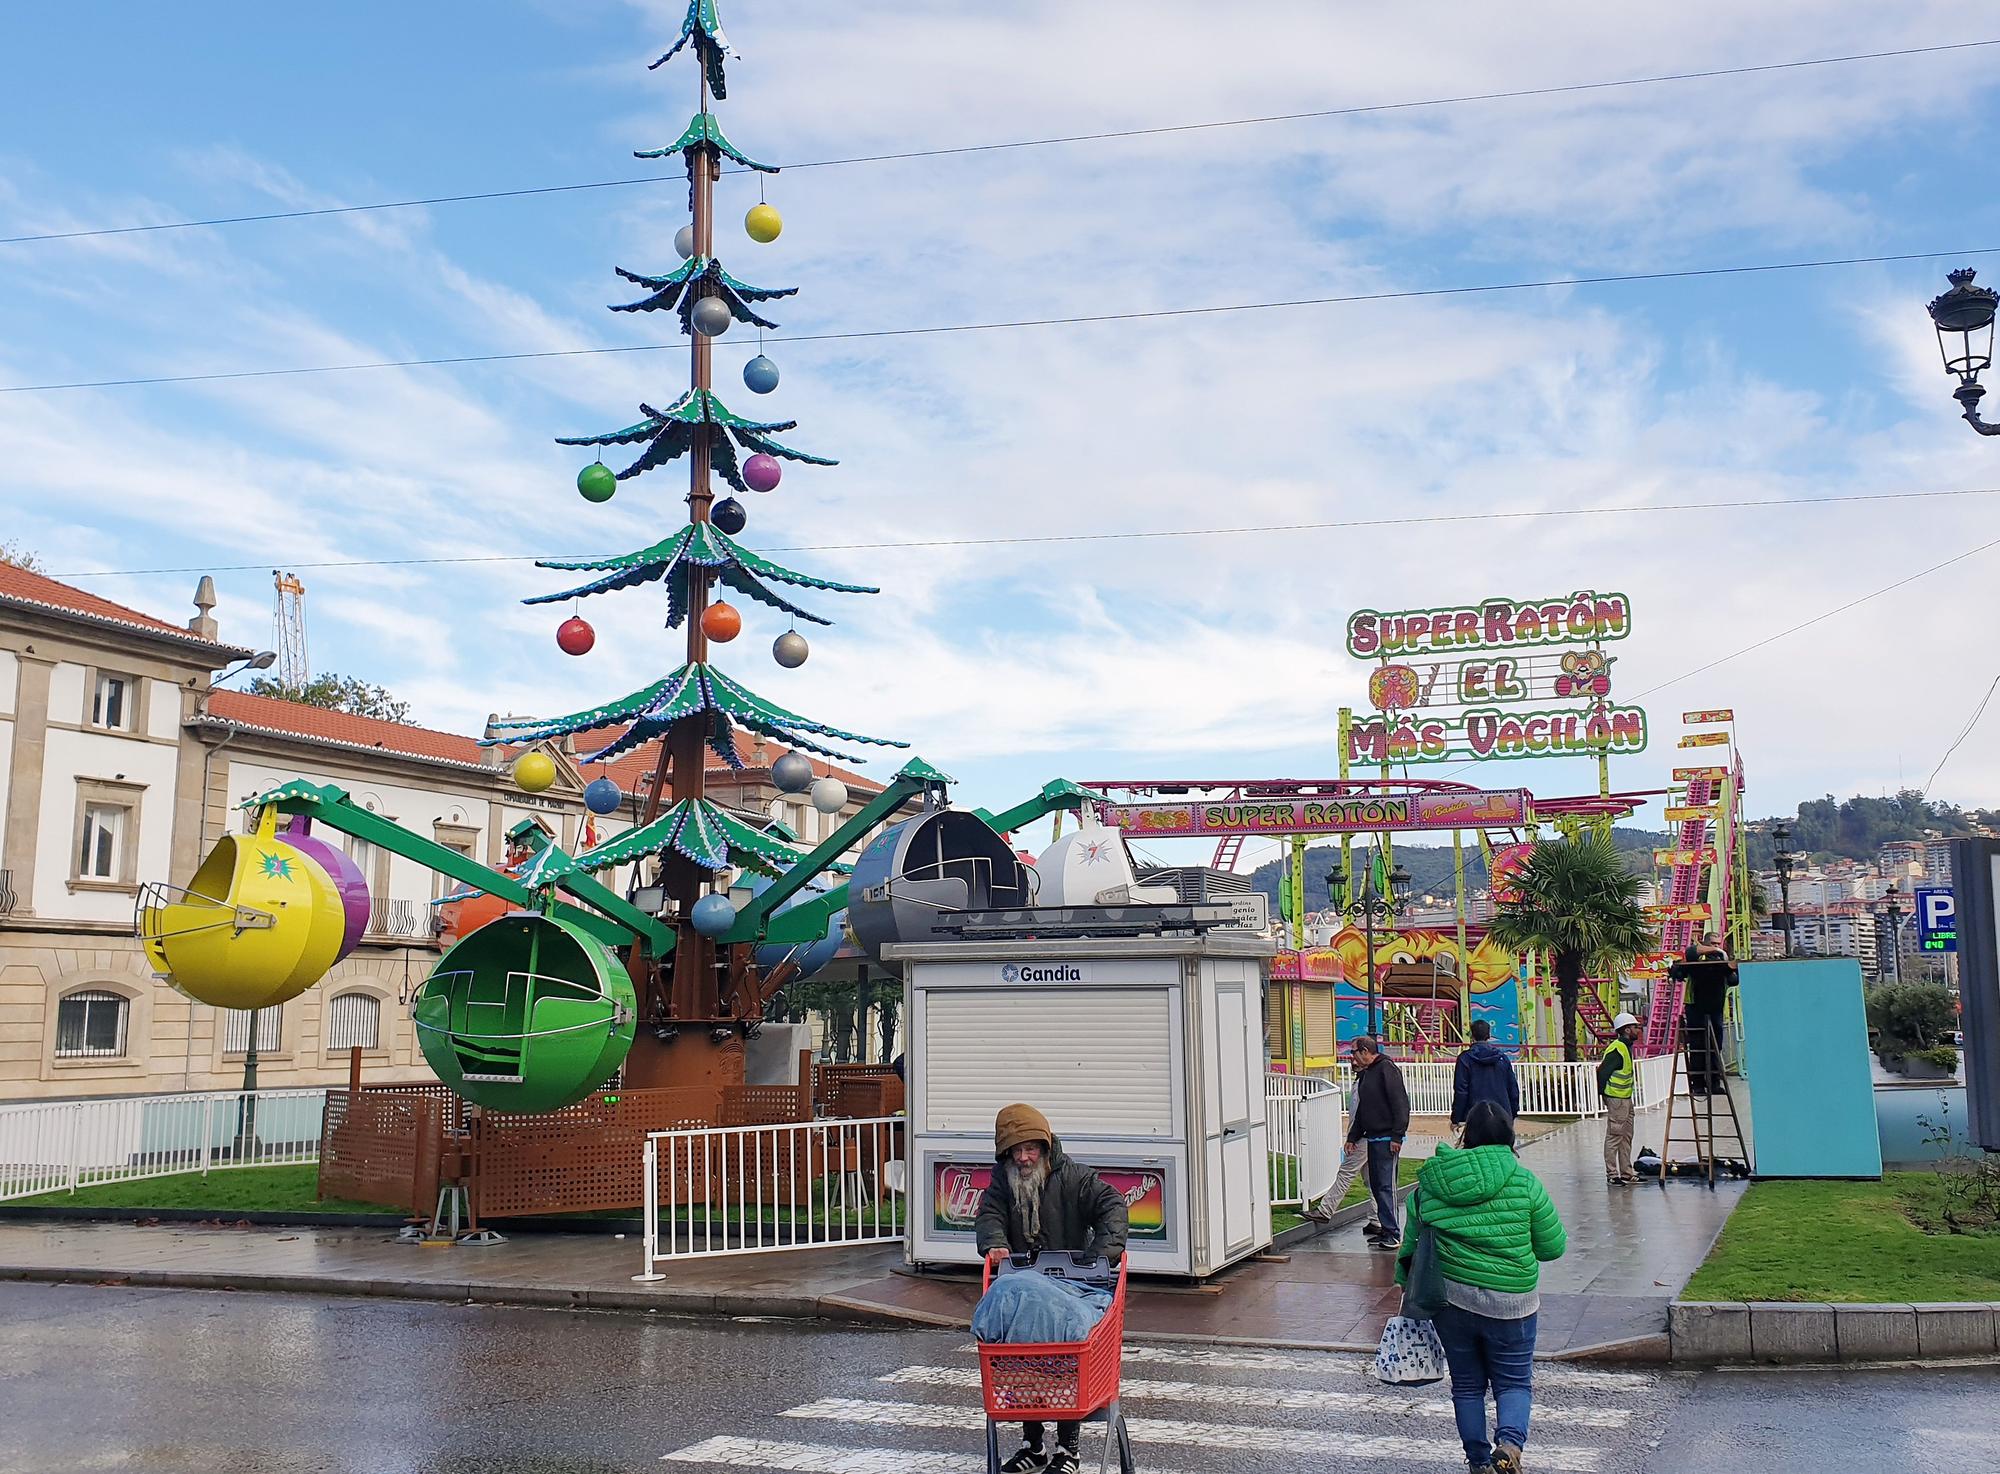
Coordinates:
(1937, 920)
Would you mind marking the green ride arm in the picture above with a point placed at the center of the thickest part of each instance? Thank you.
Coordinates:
(1061, 794)
(329, 805)
(750, 920)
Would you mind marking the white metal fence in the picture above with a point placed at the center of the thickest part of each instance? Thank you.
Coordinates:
(1303, 1117)
(60, 1146)
(1549, 1087)
(754, 1189)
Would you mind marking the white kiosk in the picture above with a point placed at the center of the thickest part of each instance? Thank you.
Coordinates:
(1146, 1052)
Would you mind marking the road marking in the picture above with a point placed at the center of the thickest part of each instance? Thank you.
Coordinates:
(827, 1458)
(1386, 1403)
(1547, 1374)
(1295, 1441)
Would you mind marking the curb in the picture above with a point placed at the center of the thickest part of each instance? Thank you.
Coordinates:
(1782, 1333)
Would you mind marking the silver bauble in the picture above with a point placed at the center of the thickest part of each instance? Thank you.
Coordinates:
(684, 241)
(711, 317)
(829, 795)
(792, 773)
(790, 649)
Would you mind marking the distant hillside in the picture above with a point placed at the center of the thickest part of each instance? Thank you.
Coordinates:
(1429, 864)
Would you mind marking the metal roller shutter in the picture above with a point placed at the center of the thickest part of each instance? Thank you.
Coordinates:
(1093, 1060)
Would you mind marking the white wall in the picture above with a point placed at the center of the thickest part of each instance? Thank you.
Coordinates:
(163, 710)
(69, 756)
(10, 677)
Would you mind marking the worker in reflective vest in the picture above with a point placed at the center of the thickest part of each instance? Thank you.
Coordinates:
(1616, 1075)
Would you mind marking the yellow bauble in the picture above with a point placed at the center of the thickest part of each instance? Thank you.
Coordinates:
(534, 771)
(763, 223)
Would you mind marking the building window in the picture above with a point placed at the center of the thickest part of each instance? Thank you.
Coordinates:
(353, 1021)
(91, 1025)
(102, 852)
(236, 1031)
(111, 702)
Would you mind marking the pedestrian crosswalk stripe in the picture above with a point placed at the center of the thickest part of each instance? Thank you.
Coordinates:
(1386, 1403)
(827, 1458)
(1248, 1359)
(1283, 1440)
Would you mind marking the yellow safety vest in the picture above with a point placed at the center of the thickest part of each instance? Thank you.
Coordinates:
(1619, 1086)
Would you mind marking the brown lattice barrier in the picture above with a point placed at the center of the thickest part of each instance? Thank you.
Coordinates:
(582, 1158)
(382, 1147)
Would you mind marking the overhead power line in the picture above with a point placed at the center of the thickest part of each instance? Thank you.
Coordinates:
(1964, 732)
(1433, 519)
(1081, 320)
(1357, 110)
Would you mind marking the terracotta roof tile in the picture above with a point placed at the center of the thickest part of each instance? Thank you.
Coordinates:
(19, 584)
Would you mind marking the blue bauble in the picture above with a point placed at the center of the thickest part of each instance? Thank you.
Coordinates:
(713, 915)
(602, 796)
(761, 375)
(728, 515)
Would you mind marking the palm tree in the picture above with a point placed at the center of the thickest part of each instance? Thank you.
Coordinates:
(1575, 900)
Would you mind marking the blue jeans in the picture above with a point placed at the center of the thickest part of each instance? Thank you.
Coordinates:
(1486, 1352)
(1382, 1183)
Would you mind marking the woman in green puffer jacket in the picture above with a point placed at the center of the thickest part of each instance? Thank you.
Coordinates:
(1493, 1228)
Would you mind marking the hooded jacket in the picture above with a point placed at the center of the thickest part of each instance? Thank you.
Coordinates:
(1484, 1072)
(1080, 1210)
(1493, 1222)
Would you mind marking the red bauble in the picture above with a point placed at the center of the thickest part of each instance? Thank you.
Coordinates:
(575, 636)
(721, 623)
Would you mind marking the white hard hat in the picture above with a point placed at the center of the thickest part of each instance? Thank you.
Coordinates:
(1623, 1021)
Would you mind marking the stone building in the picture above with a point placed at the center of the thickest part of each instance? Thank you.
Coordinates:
(122, 761)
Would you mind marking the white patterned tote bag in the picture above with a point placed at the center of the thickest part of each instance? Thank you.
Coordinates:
(1410, 1354)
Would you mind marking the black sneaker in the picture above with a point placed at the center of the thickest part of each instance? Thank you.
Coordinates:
(1373, 1230)
(1028, 1459)
(1386, 1243)
(1064, 1462)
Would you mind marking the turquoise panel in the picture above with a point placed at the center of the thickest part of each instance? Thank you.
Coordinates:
(1805, 1050)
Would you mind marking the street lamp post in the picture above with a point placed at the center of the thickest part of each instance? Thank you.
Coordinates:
(1963, 317)
(1894, 898)
(1368, 907)
(1783, 860)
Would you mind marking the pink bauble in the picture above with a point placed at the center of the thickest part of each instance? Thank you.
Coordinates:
(761, 472)
(575, 636)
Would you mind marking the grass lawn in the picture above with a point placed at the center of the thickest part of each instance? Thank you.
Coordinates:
(1848, 1241)
(236, 1190)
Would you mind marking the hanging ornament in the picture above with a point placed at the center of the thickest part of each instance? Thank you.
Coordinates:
(684, 241)
(728, 515)
(602, 796)
(829, 795)
(762, 472)
(597, 482)
(721, 623)
(763, 223)
(790, 649)
(574, 636)
(713, 915)
(761, 375)
(711, 317)
(792, 773)
(534, 772)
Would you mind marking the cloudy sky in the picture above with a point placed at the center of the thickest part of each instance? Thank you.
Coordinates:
(1008, 664)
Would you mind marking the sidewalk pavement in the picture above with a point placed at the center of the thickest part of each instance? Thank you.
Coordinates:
(1631, 1249)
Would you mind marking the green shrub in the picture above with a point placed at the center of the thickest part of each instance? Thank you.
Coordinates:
(1910, 1017)
(1941, 1055)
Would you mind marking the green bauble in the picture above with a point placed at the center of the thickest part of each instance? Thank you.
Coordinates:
(596, 482)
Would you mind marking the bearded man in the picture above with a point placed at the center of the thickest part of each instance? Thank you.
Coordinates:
(1040, 1198)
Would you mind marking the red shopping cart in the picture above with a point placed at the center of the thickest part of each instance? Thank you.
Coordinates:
(1059, 1381)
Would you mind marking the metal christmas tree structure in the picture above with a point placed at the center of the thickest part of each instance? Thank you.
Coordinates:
(696, 1002)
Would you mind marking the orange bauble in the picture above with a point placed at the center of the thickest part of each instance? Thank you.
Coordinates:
(721, 623)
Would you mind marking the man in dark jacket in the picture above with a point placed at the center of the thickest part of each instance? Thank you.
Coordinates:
(1040, 1198)
(1483, 1072)
(1382, 1119)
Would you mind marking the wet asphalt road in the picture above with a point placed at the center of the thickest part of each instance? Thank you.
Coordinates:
(181, 1380)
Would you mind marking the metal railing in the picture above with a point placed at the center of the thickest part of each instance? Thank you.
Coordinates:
(824, 1184)
(411, 920)
(1302, 1117)
(61, 1146)
(1549, 1087)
